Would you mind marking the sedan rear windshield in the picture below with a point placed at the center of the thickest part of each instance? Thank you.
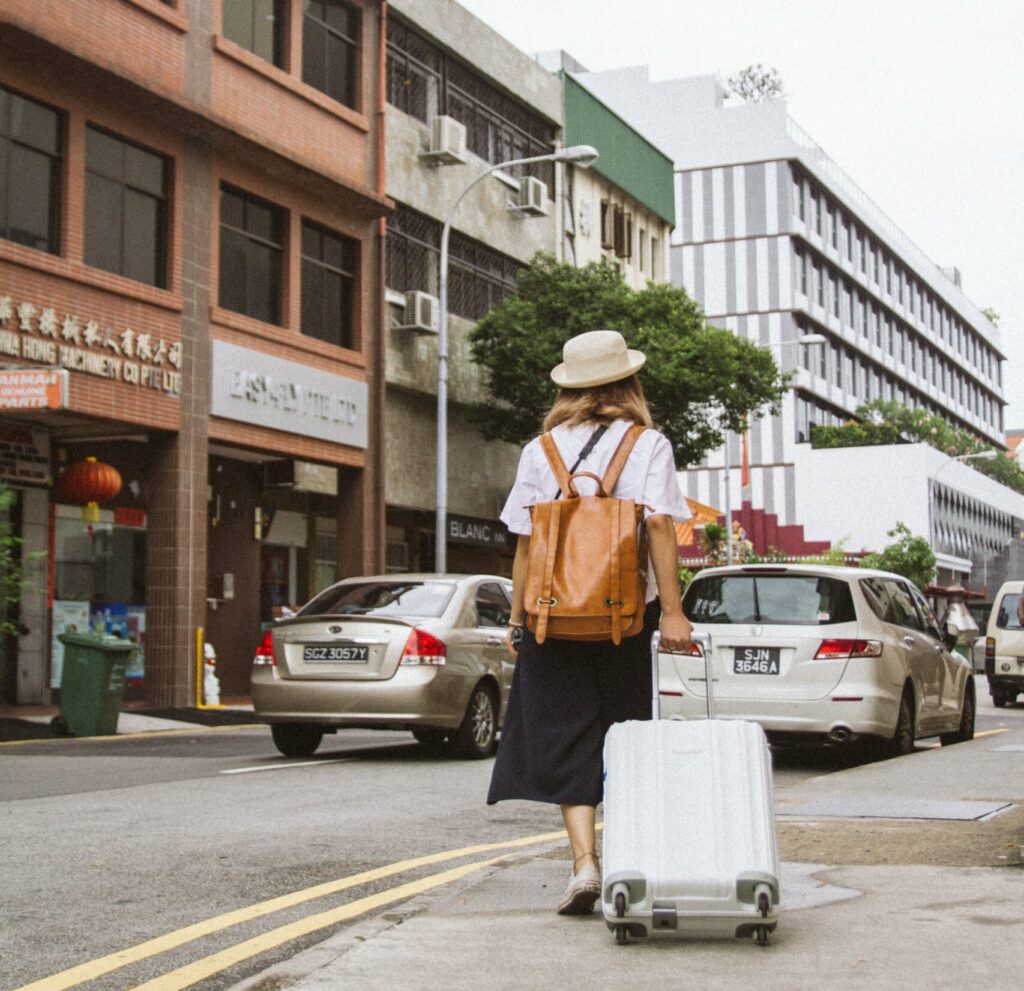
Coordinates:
(423, 599)
(785, 600)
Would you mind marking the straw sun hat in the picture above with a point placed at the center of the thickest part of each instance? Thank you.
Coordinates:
(596, 358)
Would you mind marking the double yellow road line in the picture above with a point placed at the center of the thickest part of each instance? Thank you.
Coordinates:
(204, 967)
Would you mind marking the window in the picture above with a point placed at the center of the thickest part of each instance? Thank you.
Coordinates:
(798, 197)
(251, 248)
(330, 49)
(902, 610)
(422, 80)
(819, 283)
(492, 605)
(479, 276)
(329, 265)
(801, 267)
(258, 26)
(125, 208)
(778, 600)
(428, 599)
(30, 163)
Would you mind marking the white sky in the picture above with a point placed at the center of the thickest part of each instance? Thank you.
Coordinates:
(920, 101)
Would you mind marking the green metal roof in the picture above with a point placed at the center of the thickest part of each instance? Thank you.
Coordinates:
(627, 158)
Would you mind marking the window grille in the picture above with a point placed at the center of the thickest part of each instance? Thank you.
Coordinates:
(424, 81)
(478, 276)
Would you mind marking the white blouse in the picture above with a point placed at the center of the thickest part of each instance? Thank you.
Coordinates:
(648, 477)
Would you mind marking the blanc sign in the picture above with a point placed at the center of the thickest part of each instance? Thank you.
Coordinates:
(480, 533)
(258, 388)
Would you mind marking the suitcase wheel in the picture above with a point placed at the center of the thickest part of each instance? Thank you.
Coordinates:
(764, 904)
(621, 934)
(761, 935)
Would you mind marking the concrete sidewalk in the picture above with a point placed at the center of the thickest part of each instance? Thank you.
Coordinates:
(889, 907)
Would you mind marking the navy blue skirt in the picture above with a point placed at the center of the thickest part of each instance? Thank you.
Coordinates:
(565, 694)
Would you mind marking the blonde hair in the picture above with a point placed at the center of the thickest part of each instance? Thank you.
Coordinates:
(621, 400)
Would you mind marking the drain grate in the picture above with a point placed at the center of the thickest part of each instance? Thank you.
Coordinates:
(895, 808)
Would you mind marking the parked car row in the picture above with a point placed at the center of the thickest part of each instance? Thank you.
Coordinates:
(810, 652)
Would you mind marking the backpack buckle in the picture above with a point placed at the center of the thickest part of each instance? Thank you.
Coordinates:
(547, 602)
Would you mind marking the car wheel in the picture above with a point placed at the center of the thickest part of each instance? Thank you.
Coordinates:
(902, 741)
(999, 700)
(296, 740)
(478, 734)
(965, 731)
(432, 740)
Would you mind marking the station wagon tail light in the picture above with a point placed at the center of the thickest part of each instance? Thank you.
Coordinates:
(836, 650)
(265, 656)
(423, 648)
(990, 648)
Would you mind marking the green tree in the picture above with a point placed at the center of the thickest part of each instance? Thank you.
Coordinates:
(907, 555)
(755, 84)
(12, 579)
(693, 371)
(991, 316)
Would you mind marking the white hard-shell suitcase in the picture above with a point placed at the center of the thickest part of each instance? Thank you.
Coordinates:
(689, 829)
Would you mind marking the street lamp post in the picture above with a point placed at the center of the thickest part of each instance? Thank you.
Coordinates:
(809, 340)
(582, 155)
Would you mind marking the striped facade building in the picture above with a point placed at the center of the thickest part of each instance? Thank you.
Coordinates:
(777, 242)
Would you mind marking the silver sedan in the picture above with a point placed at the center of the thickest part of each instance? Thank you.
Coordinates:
(424, 653)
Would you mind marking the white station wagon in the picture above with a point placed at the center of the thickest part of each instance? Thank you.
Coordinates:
(822, 653)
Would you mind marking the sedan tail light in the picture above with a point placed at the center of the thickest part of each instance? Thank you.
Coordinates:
(423, 648)
(836, 650)
(265, 656)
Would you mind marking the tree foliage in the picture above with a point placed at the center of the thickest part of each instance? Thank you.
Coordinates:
(697, 378)
(12, 580)
(907, 555)
(755, 84)
(883, 421)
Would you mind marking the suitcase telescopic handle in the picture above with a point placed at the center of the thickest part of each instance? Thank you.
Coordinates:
(703, 640)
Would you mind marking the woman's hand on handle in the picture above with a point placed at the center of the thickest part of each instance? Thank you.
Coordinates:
(676, 633)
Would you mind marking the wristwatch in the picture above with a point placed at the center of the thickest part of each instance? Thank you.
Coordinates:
(515, 634)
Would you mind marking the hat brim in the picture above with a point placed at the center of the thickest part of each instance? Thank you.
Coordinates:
(564, 380)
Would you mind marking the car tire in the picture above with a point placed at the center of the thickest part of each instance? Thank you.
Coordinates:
(965, 731)
(901, 742)
(477, 737)
(433, 741)
(295, 739)
(999, 700)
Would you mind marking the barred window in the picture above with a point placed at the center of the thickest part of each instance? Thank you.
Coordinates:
(478, 276)
(424, 81)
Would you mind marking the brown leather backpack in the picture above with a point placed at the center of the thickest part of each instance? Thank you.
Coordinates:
(586, 574)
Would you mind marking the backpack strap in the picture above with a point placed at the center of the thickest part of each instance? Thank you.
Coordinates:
(546, 601)
(550, 448)
(622, 452)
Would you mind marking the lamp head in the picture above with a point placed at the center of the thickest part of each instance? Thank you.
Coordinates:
(582, 155)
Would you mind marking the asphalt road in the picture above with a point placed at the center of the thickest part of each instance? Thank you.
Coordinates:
(107, 844)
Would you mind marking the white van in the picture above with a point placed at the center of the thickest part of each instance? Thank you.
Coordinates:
(1004, 644)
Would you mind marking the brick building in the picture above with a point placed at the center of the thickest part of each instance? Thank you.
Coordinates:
(191, 228)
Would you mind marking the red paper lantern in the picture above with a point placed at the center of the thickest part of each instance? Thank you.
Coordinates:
(89, 482)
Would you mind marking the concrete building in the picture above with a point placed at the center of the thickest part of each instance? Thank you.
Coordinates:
(622, 209)
(776, 241)
(191, 233)
(445, 65)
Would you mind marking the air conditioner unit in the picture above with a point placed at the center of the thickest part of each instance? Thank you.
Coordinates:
(532, 198)
(447, 142)
(420, 313)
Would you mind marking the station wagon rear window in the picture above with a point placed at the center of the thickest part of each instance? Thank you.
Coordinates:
(422, 599)
(783, 600)
(1008, 617)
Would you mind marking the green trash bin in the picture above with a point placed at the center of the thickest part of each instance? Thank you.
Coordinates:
(92, 683)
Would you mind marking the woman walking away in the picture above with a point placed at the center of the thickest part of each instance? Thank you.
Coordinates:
(567, 692)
